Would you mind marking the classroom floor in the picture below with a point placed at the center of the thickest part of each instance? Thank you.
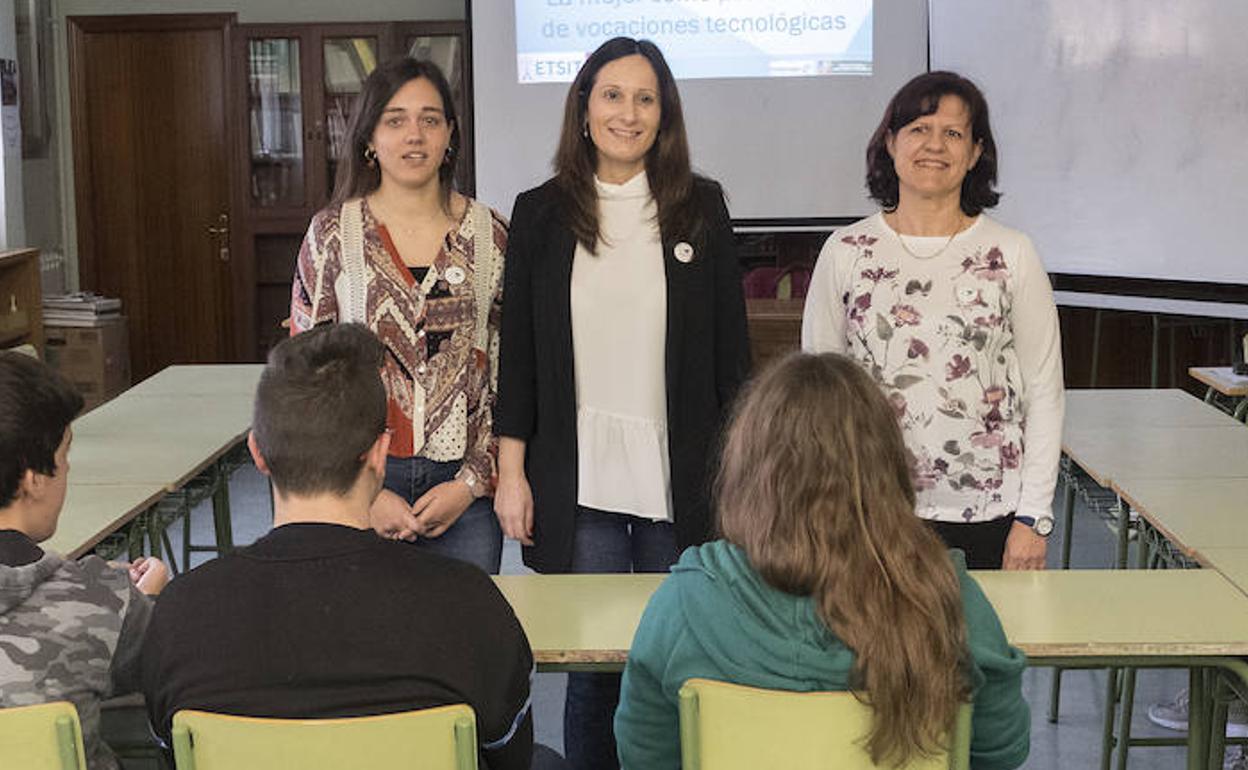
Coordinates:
(1074, 742)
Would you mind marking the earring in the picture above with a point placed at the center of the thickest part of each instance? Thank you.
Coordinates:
(585, 130)
(370, 156)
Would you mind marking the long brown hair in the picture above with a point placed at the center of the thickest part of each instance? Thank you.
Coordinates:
(355, 176)
(815, 487)
(667, 162)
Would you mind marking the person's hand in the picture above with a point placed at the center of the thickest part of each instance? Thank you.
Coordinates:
(440, 507)
(392, 518)
(1024, 549)
(513, 504)
(149, 575)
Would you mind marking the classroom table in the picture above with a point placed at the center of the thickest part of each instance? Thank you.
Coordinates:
(170, 436)
(1222, 379)
(167, 459)
(1054, 616)
(92, 512)
(1113, 408)
(1147, 452)
(1192, 514)
(201, 380)
(1192, 619)
(1145, 434)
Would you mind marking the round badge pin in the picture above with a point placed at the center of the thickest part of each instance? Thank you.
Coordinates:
(684, 252)
(455, 275)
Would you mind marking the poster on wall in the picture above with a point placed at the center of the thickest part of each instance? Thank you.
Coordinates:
(10, 117)
(32, 67)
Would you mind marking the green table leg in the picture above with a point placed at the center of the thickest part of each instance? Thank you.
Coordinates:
(1124, 523)
(154, 532)
(1241, 410)
(1198, 719)
(1107, 727)
(1068, 519)
(1217, 722)
(1068, 522)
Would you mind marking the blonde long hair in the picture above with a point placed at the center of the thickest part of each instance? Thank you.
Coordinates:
(814, 486)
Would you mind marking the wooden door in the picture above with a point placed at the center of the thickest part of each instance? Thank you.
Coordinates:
(152, 176)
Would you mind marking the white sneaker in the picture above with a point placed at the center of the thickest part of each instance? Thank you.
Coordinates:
(1236, 759)
(1173, 716)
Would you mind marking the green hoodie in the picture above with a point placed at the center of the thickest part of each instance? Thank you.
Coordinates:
(715, 618)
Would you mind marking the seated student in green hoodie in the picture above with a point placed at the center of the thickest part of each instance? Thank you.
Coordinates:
(825, 580)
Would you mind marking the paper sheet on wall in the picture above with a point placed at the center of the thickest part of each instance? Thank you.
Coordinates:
(10, 112)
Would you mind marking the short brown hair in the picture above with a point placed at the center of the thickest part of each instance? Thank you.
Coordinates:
(36, 406)
(815, 488)
(921, 96)
(319, 407)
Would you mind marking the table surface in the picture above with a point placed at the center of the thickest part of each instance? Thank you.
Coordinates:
(1101, 408)
(1071, 614)
(201, 379)
(150, 440)
(1222, 379)
(1192, 514)
(154, 433)
(1144, 452)
(93, 512)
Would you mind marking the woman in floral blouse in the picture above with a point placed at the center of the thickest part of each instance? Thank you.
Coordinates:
(952, 314)
(401, 252)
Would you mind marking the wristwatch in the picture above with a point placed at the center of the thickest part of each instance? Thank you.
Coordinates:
(1042, 526)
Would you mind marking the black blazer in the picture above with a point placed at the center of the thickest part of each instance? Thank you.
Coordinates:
(707, 359)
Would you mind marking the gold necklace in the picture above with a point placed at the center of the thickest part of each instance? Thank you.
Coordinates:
(933, 255)
(901, 239)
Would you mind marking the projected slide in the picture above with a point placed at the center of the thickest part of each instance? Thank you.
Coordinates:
(700, 38)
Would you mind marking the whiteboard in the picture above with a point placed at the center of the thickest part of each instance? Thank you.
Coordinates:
(1121, 128)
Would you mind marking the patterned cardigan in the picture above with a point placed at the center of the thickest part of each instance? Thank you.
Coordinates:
(441, 388)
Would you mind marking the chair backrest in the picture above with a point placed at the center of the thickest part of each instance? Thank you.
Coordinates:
(43, 737)
(442, 738)
(729, 727)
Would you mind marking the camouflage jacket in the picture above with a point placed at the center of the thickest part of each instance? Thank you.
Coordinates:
(70, 630)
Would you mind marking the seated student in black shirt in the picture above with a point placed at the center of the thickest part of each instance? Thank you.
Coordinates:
(321, 617)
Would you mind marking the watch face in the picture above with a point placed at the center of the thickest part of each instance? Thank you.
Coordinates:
(1043, 526)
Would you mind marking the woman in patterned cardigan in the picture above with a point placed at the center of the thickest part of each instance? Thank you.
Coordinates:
(419, 264)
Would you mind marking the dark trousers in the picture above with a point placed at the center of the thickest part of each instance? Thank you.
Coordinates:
(982, 542)
(607, 542)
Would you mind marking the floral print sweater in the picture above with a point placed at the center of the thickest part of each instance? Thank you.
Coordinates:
(964, 340)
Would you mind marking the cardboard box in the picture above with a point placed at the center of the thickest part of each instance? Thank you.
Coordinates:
(95, 359)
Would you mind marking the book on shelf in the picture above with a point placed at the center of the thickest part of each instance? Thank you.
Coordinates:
(80, 309)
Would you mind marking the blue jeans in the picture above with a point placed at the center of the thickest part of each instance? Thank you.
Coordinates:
(607, 542)
(475, 537)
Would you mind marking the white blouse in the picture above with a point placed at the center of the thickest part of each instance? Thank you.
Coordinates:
(962, 335)
(619, 332)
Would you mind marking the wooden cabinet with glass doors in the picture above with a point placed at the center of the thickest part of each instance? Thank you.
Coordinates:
(295, 87)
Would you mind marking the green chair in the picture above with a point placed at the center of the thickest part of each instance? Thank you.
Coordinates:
(43, 737)
(443, 738)
(731, 727)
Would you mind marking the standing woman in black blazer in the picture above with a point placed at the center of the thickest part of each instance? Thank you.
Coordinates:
(623, 343)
